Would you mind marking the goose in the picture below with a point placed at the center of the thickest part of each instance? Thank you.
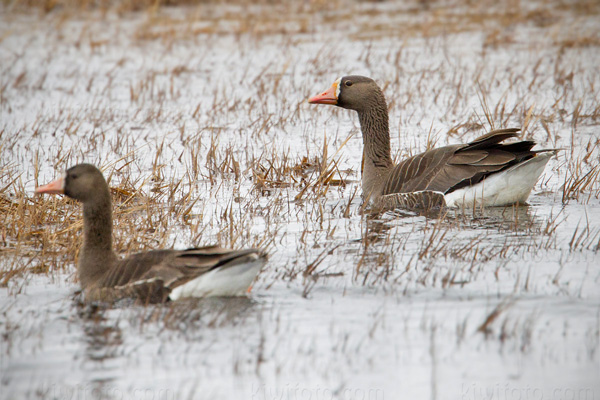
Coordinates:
(484, 171)
(152, 276)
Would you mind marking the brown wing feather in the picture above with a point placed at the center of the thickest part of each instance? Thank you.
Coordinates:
(451, 167)
(467, 157)
(481, 157)
(493, 137)
(194, 262)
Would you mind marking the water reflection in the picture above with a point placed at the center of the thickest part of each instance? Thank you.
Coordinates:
(514, 218)
(211, 312)
(103, 334)
(103, 340)
(396, 240)
(114, 332)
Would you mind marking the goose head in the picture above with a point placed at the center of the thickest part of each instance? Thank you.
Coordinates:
(353, 92)
(81, 182)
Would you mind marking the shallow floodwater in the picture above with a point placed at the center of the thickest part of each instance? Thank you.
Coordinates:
(470, 304)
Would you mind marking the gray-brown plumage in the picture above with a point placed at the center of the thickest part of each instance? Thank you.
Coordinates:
(448, 168)
(149, 276)
(444, 170)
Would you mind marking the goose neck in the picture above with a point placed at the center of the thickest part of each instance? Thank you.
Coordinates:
(376, 135)
(96, 255)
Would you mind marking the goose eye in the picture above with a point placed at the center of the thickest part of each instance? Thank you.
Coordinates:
(348, 83)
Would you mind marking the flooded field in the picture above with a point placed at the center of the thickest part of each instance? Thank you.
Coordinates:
(198, 117)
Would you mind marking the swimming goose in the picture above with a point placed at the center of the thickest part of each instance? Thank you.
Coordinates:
(152, 276)
(484, 171)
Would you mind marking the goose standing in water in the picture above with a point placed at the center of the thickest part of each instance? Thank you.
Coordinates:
(484, 171)
(152, 276)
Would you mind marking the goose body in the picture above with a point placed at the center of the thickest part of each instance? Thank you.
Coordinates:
(486, 171)
(152, 276)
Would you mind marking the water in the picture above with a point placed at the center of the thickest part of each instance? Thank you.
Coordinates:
(499, 303)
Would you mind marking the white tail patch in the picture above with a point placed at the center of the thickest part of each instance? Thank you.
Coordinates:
(228, 280)
(504, 188)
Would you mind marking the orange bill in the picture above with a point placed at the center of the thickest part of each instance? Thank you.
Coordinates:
(54, 187)
(330, 96)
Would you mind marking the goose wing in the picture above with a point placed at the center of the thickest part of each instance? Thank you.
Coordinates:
(449, 168)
